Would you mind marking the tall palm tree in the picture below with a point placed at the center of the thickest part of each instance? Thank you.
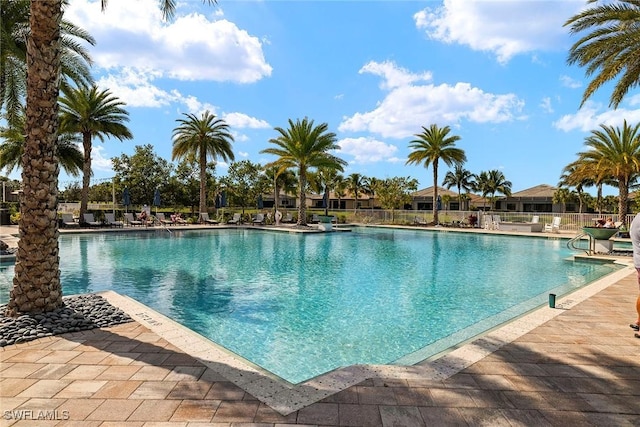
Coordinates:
(431, 146)
(460, 178)
(610, 49)
(12, 148)
(355, 182)
(202, 138)
(14, 30)
(92, 113)
(615, 152)
(36, 284)
(303, 146)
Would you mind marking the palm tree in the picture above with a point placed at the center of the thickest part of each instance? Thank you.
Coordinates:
(460, 178)
(482, 185)
(284, 181)
(610, 48)
(431, 146)
(497, 184)
(355, 182)
(12, 148)
(304, 146)
(92, 113)
(74, 60)
(202, 138)
(371, 185)
(36, 284)
(615, 153)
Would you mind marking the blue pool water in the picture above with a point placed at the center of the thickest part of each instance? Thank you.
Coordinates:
(300, 305)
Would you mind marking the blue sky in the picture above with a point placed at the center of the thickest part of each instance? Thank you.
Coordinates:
(375, 71)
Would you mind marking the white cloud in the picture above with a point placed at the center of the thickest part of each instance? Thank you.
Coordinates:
(98, 161)
(592, 115)
(393, 76)
(190, 47)
(243, 154)
(134, 87)
(366, 150)
(545, 104)
(406, 108)
(569, 82)
(241, 120)
(505, 28)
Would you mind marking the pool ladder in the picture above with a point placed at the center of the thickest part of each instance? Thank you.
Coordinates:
(572, 243)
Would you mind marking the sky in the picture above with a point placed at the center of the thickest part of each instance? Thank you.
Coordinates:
(376, 72)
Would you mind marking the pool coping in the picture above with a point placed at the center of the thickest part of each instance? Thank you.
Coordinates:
(286, 398)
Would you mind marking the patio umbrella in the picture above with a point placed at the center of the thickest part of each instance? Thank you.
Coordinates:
(156, 200)
(223, 199)
(260, 202)
(438, 204)
(126, 198)
(218, 201)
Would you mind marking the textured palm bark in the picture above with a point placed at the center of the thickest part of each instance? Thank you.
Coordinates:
(36, 285)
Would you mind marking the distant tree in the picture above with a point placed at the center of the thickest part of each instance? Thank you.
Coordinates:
(243, 183)
(303, 146)
(355, 182)
(284, 181)
(611, 48)
(202, 138)
(92, 113)
(431, 146)
(490, 183)
(142, 173)
(460, 178)
(563, 196)
(394, 193)
(371, 185)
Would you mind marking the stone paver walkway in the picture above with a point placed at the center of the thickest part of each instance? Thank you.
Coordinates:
(581, 367)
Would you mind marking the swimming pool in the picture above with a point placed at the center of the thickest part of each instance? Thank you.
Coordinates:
(300, 305)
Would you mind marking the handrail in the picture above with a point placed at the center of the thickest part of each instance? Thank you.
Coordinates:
(571, 244)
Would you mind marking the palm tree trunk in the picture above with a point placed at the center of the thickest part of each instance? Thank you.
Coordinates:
(203, 181)
(623, 188)
(302, 209)
(86, 173)
(36, 284)
(435, 192)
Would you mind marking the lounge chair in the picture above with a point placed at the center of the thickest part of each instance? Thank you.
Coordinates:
(535, 219)
(90, 220)
(110, 220)
(163, 220)
(204, 217)
(259, 219)
(314, 219)
(554, 227)
(496, 222)
(419, 221)
(131, 220)
(235, 220)
(288, 218)
(68, 221)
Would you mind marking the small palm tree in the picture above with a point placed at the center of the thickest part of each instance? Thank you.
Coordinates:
(615, 153)
(497, 184)
(371, 185)
(303, 146)
(202, 138)
(92, 113)
(431, 146)
(460, 178)
(355, 182)
(610, 48)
